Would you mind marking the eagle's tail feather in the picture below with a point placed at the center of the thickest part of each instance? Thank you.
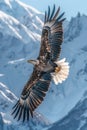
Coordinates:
(61, 71)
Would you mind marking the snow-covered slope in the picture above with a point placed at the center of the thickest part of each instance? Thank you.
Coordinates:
(76, 119)
(20, 29)
(20, 39)
(26, 14)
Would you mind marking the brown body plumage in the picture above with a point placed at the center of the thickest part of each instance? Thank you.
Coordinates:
(35, 89)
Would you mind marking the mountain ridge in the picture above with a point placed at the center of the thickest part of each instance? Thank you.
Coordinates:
(20, 40)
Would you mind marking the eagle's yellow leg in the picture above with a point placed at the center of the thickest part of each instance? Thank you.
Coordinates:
(57, 69)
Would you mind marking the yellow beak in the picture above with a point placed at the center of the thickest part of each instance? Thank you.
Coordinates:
(34, 62)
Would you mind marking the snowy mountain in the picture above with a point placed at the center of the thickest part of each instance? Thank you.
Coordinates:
(76, 119)
(25, 14)
(20, 29)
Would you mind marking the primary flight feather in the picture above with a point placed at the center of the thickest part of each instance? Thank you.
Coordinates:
(47, 67)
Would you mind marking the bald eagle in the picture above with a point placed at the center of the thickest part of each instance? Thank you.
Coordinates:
(47, 67)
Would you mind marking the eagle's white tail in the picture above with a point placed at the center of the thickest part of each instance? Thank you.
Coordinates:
(61, 72)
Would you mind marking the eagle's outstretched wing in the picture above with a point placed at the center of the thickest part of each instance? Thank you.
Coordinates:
(32, 95)
(52, 35)
(35, 89)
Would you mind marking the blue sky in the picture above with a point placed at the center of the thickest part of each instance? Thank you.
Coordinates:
(70, 7)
